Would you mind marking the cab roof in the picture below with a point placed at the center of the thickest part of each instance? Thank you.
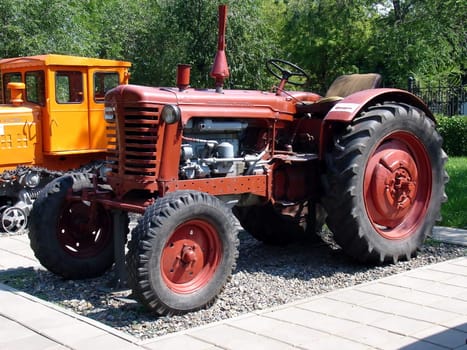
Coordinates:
(60, 60)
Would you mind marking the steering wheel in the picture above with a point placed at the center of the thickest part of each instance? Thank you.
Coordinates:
(284, 70)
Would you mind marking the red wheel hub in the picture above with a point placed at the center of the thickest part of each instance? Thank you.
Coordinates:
(397, 185)
(84, 229)
(191, 256)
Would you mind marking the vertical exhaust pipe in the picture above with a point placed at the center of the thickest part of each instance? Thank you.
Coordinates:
(16, 93)
(183, 76)
(220, 68)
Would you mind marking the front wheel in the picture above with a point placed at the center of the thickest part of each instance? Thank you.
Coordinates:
(71, 238)
(385, 183)
(182, 252)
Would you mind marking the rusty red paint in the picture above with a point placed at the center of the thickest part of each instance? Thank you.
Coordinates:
(397, 185)
(190, 256)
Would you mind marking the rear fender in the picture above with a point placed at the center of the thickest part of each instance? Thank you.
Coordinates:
(351, 106)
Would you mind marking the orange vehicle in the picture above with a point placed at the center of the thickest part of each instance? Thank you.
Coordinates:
(51, 120)
(366, 160)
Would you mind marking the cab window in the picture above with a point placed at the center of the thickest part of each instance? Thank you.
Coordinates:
(35, 87)
(9, 78)
(103, 82)
(68, 87)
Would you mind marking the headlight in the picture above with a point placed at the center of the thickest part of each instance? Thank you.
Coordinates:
(171, 114)
(109, 113)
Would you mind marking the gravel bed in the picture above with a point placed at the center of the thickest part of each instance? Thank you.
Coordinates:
(265, 277)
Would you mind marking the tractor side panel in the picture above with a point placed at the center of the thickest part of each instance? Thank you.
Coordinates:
(17, 136)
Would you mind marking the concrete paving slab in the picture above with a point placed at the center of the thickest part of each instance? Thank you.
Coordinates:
(232, 338)
(412, 296)
(462, 295)
(421, 309)
(421, 345)
(459, 323)
(102, 341)
(450, 235)
(402, 325)
(410, 282)
(360, 314)
(324, 305)
(354, 296)
(334, 342)
(15, 252)
(382, 289)
(37, 318)
(11, 330)
(18, 245)
(388, 305)
(455, 306)
(429, 314)
(292, 334)
(459, 262)
(376, 338)
(180, 341)
(459, 281)
(448, 290)
(442, 336)
(33, 341)
(10, 260)
(75, 334)
(431, 275)
(313, 320)
(452, 269)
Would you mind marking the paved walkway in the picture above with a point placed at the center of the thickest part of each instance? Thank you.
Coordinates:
(424, 309)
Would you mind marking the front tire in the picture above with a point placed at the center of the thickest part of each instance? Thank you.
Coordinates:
(385, 183)
(71, 238)
(182, 252)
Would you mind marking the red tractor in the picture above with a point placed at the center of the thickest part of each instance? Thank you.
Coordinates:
(365, 160)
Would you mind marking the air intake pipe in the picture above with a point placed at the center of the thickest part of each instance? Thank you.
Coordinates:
(220, 68)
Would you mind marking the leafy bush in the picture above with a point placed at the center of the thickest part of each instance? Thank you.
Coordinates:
(454, 133)
(454, 211)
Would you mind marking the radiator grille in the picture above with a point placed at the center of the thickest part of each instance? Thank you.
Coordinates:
(132, 142)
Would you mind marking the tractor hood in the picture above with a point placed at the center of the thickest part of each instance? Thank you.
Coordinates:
(209, 103)
(10, 114)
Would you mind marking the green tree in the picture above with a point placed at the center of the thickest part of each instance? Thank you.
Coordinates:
(426, 39)
(253, 31)
(116, 26)
(397, 38)
(97, 28)
(185, 31)
(329, 38)
(43, 26)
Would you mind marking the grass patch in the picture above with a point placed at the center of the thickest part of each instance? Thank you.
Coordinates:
(454, 211)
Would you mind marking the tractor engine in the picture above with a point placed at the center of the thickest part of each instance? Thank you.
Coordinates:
(215, 148)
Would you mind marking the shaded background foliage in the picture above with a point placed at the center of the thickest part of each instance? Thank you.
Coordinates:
(454, 133)
(397, 38)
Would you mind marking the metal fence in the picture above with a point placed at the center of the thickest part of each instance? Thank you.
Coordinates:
(446, 100)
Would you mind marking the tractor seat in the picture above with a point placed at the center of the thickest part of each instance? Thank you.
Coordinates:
(343, 86)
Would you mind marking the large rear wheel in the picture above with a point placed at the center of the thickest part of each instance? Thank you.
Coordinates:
(182, 252)
(71, 238)
(385, 183)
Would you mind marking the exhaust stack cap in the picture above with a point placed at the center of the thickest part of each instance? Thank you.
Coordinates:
(220, 68)
(16, 93)
(183, 76)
